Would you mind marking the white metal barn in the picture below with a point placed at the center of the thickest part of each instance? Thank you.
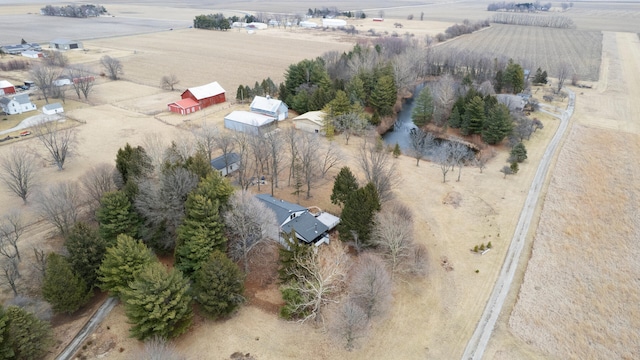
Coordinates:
(266, 105)
(248, 122)
(312, 121)
(51, 109)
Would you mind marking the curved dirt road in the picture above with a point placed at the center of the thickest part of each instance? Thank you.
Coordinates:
(478, 342)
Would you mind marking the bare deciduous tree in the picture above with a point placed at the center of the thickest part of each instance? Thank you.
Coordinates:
(158, 348)
(379, 169)
(393, 236)
(291, 136)
(319, 276)
(371, 286)
(155, 145)
(226, 143)
(460, 155)
(97, 181)
(350, 124)
(43, 76)
(57, 139)
(40, 263)
(112, 66)
(275, 145)
(442, 156)
(349, 323)
(19, 172)
(419, 142)
(11, 274)
(161, 201)
(56, 58)
(307, 147)
(12, 227)
(444, 94)
(206, 136)
(242, 145)
(330, 157)
(250, 223)
(483, 157)
(168, 82)
(59, 204)
(562, 73)
(82, 80)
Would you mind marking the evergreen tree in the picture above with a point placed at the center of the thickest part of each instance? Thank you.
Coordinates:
(339, 105)
(86, 251)
(355, 91)
(6, 352)
(290, 253)
(218, 286)
(474, 112)
(215, 188)
(455, 120)
(62, 288)
(422, 113)
(132, 162)
(498, 125)
(498, 84)
(384, 95)
(514, 167)
(514, 77)
(540, 77)
(29, 337)
(358, 213)
(519, 153)
(199, 164)
(241, 94)
(345, 184)
(122, 262)
(117, 216)
(157, 302)
(396, 151)
(201, 232)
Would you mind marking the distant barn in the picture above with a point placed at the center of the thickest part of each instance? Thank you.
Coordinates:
(270, 107)
(248, 122)
(65, 44)
(206, 95)
(6, 88)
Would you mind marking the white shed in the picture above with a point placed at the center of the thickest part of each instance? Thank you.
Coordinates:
(248, 122)
(312, 121)
(270, 107)
(52, 109)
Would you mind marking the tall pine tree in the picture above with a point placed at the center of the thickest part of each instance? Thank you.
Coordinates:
(117, 216)
(157, 302)
(384, 95)
(474, 116)
(62, 288)
(122, 262)
(498, 125)
(201, 232)
(29, 337)
(345, 184)
(218, 286)
(423, 110)
(86, 251)
(358, 213)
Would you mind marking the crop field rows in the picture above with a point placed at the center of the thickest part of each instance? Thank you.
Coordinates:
(540, 47)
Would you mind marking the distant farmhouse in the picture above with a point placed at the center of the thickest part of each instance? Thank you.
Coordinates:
(52, 109)
(309, 227)
(6, 88)
(198, 98)
(64, 44)
(17, 104)
(20, 48)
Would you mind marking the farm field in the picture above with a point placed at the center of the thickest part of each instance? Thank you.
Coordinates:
(536, 47)
(581, 282)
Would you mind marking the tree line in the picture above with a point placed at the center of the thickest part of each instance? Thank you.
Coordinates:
(77, 11)
(518, 7)
(555, 21)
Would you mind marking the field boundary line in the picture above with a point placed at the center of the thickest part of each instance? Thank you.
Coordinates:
(478, 342)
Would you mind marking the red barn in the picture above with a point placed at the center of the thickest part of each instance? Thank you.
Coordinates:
(206, 95)
(6, 88)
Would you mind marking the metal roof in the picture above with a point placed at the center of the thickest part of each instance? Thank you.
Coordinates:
(205, 91)
(185, 103)
(219, 163)
(249, 118)
(52, 106)
(307, 226)
(265, 103)
(282, 209)
(316, 117)
(22, 99)
(5, 84)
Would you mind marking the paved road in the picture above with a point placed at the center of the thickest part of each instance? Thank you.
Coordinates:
(480, 338)
(88, 329)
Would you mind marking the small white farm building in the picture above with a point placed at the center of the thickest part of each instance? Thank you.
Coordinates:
(52, 109)
(226, 165)
(17, 104)
(333, 23)
(32, 54)
(308, 24)
(65, 44)
(270, 107)
(248, 122)
(312, 121)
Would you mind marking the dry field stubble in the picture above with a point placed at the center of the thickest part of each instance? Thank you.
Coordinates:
(537, 46)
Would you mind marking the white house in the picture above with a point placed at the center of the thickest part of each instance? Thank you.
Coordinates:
(61, 81)
(270, 107)
(17, 104)
(312, 121)
(52, 109)
(248, 122)
(226, 165)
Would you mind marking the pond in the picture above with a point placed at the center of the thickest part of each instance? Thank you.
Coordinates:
(400, 131)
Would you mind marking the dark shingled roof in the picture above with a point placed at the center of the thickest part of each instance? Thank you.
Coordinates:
(283, 209)
(306, 226)
(219, 163)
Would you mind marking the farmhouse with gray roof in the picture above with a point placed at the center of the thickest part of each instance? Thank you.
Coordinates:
(310, 228)
(226, 164)
(17, 104)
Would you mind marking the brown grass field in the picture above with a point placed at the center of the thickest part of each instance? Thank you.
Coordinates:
(537, 47)
(434, 316)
